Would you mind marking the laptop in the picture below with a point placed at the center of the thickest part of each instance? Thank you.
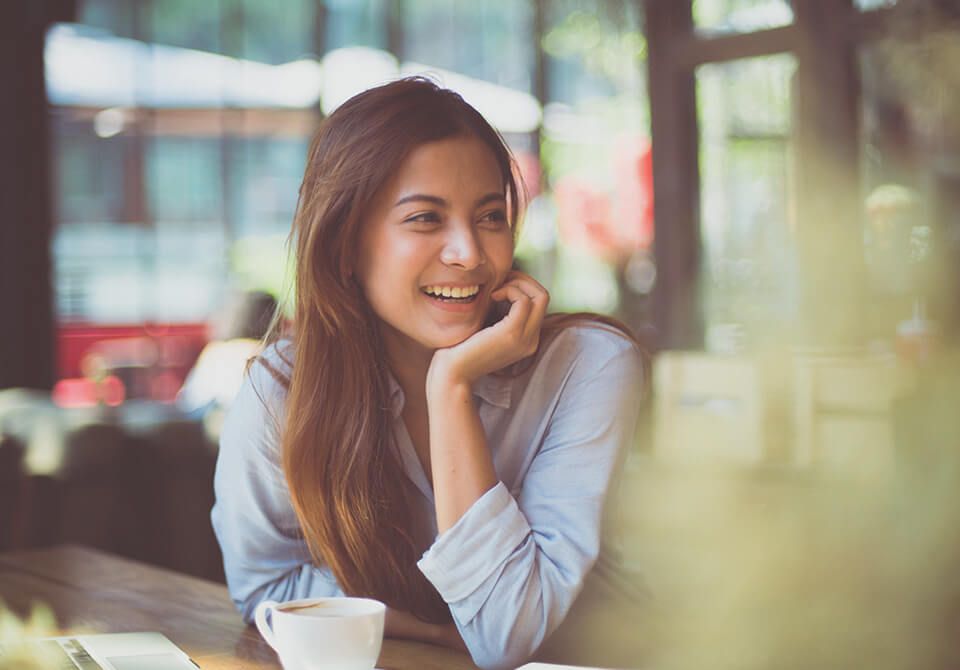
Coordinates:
(114, 651)
(552, 666)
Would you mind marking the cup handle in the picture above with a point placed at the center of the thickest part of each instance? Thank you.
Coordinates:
(260, 617)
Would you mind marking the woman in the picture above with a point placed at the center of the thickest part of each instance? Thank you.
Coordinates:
(425, 435)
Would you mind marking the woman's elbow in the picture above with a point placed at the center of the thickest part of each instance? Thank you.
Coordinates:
(501, 659)
(506, 651)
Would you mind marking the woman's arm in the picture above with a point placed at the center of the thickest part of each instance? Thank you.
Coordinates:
(460, 460)
(510, 569)
(405, 626)
(264, 555)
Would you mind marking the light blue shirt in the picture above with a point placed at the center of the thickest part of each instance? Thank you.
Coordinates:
(513, 564)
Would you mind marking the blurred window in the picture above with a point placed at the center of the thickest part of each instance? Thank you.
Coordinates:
(87, 194)
(267, 176)
(180, 135)
(590, 232)
(874, 4)
(487, 40)
(910, 153)
(184, 180)
(118, 18)
(352, 23)
(745, 124)
(738, 16)
(260, 30)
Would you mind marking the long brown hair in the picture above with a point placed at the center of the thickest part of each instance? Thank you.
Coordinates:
(345, 479)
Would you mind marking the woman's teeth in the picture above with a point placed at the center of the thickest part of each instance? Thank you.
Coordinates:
(452, 292)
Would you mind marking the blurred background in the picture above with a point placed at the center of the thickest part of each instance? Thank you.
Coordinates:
(766, 190)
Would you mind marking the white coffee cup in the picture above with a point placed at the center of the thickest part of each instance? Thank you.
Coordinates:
(323, 633)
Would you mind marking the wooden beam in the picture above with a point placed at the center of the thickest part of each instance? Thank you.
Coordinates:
(676, 183)
(26, 278)
(826, 167)
(699, 49)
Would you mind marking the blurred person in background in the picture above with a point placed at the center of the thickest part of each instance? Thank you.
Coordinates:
(423, 432)
(236, 332)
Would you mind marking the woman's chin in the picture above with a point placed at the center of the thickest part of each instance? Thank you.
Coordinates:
(452, 339)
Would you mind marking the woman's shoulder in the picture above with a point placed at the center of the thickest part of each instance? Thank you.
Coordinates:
(269, 371)
(593, 342)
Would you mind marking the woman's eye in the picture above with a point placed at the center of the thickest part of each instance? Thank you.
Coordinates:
(423, 217)
(494, 219)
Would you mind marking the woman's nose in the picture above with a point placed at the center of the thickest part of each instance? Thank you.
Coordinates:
(462, 249)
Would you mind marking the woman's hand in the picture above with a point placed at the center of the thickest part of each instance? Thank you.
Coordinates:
(511, 339)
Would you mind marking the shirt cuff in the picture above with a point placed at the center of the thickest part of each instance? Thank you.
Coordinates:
(465, 555)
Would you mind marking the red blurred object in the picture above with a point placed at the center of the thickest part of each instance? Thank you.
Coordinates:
(613, 225)
(82, 392)
(633, 197)
(917, 340)
(148, 360)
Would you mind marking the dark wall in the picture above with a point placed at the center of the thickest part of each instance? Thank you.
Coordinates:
(26, 288)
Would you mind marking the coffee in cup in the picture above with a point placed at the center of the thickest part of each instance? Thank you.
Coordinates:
(323, 633)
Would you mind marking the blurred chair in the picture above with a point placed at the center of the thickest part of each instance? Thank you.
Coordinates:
(842, 410)
(236, 331)
(714, 408)
(11, 491)
(178, 463)
(90, 497)
(136, 480)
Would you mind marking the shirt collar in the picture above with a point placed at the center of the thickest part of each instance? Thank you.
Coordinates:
(492, 389)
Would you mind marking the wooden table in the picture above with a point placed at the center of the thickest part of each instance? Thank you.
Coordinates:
(91, 591)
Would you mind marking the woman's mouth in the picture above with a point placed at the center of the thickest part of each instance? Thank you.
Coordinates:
(452, 294)
(462, 299)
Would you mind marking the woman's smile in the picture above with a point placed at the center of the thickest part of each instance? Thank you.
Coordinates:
(454, 297)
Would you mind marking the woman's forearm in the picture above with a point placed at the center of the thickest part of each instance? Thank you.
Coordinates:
(405, 626)
(460, 460)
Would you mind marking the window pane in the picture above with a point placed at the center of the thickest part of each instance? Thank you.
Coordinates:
(183, 180)
(748, 248)
(265, 176)
(486, 40)
(172, 162)
(274, 32)
(911, 183)
(729, 16)
(184, 23)
(874, 4)
(356, 23)
(592, 227)
(119, 18)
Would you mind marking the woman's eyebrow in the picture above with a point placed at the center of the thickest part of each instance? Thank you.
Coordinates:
(490, 197)
(436, 200)
(421, 197)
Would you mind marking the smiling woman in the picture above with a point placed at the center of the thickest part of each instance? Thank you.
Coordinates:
(446, 202)
(424, 433)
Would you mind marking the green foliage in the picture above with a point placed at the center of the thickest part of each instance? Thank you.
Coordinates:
(605, 49)
(15, 635)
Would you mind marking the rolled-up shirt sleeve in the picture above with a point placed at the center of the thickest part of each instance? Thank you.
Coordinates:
(264, 554)
(511, 568)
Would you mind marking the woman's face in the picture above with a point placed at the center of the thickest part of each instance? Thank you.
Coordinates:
(435, 244)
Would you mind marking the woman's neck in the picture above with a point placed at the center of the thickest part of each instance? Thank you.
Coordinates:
(409, 365)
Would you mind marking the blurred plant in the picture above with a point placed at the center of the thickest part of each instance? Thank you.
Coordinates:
(17, 652)
(601, 44)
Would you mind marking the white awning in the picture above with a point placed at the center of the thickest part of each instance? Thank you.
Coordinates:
(92, 68)
(96, 69)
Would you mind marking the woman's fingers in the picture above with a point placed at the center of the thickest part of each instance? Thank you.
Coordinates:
(520, 306)
(539, 299)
